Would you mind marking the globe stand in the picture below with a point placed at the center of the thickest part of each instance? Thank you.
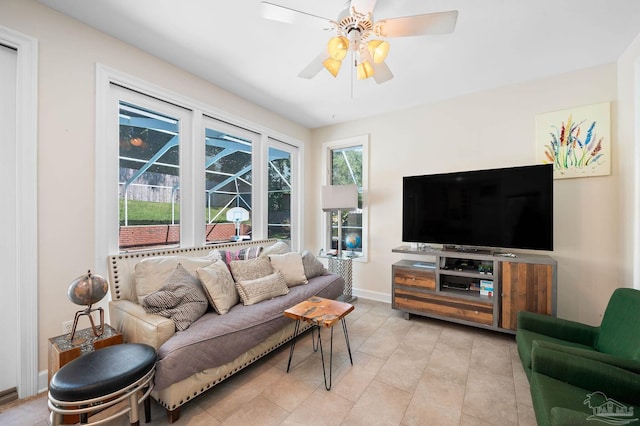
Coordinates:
(88, 312)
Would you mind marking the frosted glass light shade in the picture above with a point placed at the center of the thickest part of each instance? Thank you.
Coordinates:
(365, 70)
(339, 197)
(338, 47)
(332, 65)
(379, 49)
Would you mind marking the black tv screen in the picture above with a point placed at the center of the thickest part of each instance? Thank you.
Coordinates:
(496, 208)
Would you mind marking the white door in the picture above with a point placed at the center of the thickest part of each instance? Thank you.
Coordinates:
(8, 260)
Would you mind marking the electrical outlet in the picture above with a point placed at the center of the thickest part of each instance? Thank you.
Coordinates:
(67, 326)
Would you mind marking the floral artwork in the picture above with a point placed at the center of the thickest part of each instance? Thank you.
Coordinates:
(576, 141)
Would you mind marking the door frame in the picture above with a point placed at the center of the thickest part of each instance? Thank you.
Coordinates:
(26, 209)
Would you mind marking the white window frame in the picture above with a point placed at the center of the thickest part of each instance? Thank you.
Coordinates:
(106, 168)
(295, 185)
(327, 147)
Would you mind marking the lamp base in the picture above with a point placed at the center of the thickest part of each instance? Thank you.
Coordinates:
(96, 331)
(347, 298)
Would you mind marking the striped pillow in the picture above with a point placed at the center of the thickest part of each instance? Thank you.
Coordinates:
(181, 298)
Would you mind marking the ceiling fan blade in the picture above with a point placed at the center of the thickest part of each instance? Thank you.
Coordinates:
(381, 72)
(314, 66)
(363, 6)
(278, 13)
(418, 25)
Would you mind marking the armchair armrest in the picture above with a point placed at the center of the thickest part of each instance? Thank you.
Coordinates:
(558, 328)
(137, 326)
(627, 364)
(587, 373)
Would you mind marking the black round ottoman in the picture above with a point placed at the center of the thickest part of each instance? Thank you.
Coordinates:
(101, 379)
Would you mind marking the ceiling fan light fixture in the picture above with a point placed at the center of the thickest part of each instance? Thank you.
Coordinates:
(379, 49)
(332, 65)
(338, 47)
(364, 70)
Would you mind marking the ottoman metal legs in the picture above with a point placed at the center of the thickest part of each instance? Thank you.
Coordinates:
(100, 381)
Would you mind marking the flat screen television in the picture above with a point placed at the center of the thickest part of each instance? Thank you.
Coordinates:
(496, 208)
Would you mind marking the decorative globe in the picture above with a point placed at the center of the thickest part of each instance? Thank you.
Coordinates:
(87, 289)
(352, 241)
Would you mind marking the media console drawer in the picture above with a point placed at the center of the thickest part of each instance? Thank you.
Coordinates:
(478, 311)
(425, 279)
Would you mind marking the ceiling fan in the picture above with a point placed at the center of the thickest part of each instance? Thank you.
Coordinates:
(357, 32)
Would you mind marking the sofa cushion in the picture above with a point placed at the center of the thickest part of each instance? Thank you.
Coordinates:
(151, 273)
(244, 270)
(278, 248)
(264, 288)
(219, 286)
(181, 298)
(290, 266)
(312, 266)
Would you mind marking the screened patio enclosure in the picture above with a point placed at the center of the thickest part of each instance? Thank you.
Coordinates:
(149, 179)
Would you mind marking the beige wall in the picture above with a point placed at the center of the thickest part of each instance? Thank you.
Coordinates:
(493, 128)
(629, 138)
(68, 53)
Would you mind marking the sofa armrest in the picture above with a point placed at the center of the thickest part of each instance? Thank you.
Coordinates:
(586, 373)
(137, 326)
(558, 328)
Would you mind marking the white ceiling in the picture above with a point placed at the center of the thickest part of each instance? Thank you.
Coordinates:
(496, 42)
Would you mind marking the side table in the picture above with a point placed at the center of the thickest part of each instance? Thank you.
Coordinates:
(62, 350)
(343, 266)
(320, 312)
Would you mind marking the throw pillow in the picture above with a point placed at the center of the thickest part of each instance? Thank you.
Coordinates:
(254, 291)
(242, 254)
(312, 266)
(279, 247)
(219, 286)
(290, 266)
(181, 298)
(151, 273)
(243, 270)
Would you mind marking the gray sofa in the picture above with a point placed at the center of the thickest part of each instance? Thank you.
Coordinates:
(214, 347)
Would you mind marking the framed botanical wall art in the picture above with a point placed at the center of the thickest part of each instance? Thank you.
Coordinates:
(577, 141)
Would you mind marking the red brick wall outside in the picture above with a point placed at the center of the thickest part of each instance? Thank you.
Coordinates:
(161, 235)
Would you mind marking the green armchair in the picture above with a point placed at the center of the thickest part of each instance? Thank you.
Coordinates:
(574, 386)
(618, 336)
(580, 373)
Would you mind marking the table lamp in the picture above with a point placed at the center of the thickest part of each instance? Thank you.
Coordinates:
(339, 197)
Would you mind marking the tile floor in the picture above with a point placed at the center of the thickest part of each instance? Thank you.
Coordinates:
(416, 372)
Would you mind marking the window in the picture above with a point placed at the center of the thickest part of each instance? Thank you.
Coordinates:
(149, 178)
(170, 174)
(346, 164)
(279, 193)
(228, 180)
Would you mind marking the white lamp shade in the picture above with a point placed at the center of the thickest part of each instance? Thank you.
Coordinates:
(339, 197)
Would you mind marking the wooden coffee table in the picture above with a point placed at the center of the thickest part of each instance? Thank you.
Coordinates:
(320, 312)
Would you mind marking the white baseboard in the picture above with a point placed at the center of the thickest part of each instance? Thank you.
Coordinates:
(372, 295)
(43, 381)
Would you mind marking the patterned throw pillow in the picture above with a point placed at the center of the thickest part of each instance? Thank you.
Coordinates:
(242, 254)
(181, 298)
(312, 266)
(243, 270)
(290, 266)
(254, 291)
(219, 286)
